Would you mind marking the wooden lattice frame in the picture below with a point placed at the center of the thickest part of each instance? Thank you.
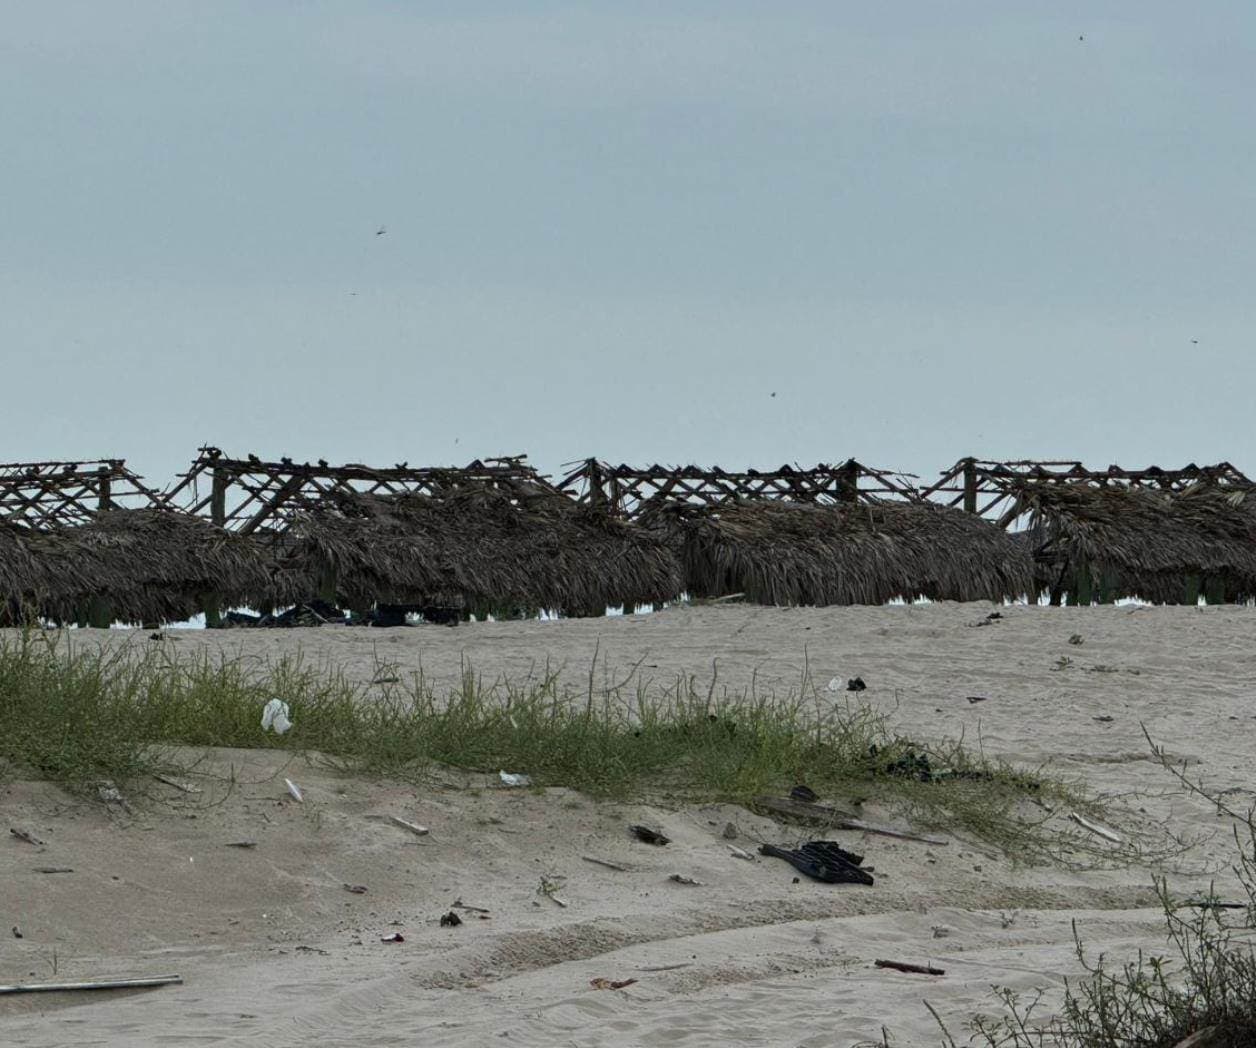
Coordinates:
(62, 494)
(992, 489)
(633, 491)
(245, 495)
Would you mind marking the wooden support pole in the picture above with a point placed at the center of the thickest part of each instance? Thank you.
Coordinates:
(848, 485)
(104, 491)
(217, 517)
(970, 485)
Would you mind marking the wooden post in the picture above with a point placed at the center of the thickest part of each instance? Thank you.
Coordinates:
(848, 485)
(970, 485)
(1084, 586)
(218, 499)
(217, 517)
(104, 490)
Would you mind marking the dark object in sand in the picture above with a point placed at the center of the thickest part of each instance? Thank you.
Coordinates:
(450, 920)
(822, 861)
(644, 833)
(805, 794)
(856, 684)
(977, 698)
(913, 969)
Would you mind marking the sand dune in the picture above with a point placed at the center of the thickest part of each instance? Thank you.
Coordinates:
(276, 951)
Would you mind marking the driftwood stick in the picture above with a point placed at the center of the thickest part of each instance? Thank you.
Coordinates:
(911, 969)
(836, 818)
(1095, 828)
(413, 827)
(93, 984)
(607, 864)
(185, 787)
(803, 810)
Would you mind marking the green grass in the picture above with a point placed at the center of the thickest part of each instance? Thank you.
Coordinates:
(77, 715)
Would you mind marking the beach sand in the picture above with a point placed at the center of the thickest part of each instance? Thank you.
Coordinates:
(274, 950)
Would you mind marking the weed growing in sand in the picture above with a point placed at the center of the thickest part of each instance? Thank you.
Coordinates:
(1201, 993)
(79, 715)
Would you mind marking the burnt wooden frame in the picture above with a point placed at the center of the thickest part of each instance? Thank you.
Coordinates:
(993, 489)
(631, 491)
(45, 495)
(250, 494)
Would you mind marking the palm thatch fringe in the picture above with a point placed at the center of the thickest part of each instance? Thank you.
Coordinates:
(132, 566)
(786, 553)
(1135, 542)
(476, 547)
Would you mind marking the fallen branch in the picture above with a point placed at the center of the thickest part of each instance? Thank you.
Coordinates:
(1095, 828)
(835, 818)
(604, 862)
(185, 787)
(911, 969)
(413, 827)
(93, 984)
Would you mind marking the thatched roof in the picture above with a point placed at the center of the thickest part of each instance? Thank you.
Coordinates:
(787, 553)
(142, 565)
(479, 546)
(1141, 542)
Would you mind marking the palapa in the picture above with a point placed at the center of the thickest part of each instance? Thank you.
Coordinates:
(789, 553)
(1138, 542)
(479, 546)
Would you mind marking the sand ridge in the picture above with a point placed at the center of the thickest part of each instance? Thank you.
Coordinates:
(274, 950)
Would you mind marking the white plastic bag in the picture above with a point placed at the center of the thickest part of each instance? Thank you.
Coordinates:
(514, 780)
(275, 715)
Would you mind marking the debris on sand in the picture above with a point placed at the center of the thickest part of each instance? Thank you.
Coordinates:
(413, 827)
(914, 969)
(649, 836)
(822, 861)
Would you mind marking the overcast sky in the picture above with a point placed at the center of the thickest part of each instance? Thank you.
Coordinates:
(931, 230)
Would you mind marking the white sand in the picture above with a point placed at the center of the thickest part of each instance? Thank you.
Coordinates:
(274, 951)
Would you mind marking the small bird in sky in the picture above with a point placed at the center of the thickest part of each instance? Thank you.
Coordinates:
(1194, 342)
(381, 231)
(773, 394)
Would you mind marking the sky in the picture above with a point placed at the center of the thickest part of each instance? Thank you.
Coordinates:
(723, 233)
